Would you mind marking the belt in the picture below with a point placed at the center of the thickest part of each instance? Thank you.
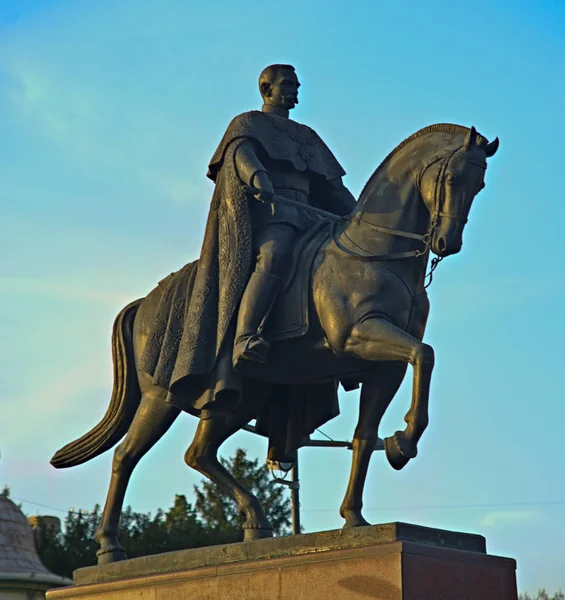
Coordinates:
(293, 194)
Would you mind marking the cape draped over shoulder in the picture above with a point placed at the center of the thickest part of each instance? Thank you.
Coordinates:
(281, 139)
(189, 349)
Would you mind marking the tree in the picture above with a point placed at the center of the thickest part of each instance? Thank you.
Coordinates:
(184, 527)
(74, 546)
(212, 520)
(543, 595)
(218, 511)
(177, 529)
(140, 534)
(6, 492)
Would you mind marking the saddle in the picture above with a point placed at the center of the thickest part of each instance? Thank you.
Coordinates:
(289, 317)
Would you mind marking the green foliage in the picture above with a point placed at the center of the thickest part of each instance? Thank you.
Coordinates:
(219, 513)
(6, 492)
(543, 595)
(212, 520)
(74, 547)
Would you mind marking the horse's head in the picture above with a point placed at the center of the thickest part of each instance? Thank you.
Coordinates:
(448, 185)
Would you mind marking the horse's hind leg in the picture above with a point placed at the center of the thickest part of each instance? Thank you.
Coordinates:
(376, 395)
(203, 457)
(151, 421)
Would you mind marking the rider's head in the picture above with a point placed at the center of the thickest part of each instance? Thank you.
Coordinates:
(279, 85)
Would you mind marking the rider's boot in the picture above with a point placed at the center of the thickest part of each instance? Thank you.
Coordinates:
(256, 304)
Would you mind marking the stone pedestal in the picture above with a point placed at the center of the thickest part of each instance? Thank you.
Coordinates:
(395, 561)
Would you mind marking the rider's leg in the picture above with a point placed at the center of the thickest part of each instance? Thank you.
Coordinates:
(273, 244)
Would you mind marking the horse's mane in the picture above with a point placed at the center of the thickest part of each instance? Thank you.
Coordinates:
(437, 128)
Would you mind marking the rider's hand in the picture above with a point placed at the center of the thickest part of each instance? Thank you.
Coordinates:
(262, 188)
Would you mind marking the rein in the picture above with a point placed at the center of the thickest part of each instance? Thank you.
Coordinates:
(425, 238)
(375, 257)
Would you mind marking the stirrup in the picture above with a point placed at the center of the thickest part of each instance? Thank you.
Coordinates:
(252, 348)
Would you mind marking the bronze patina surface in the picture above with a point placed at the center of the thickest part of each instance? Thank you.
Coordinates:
(200, 341)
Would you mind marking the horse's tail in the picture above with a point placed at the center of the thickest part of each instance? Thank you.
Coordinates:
(125, 400)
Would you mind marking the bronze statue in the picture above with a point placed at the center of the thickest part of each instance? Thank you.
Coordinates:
(298, 289)
(278, 170)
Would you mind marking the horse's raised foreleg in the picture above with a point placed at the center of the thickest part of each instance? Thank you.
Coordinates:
(377, 339)
(376, 395)
(152, 420)
(203, 457)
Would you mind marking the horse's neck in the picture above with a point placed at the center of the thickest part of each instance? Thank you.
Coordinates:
(394, 205)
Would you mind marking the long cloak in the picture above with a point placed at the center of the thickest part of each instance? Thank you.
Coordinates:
(190, 347)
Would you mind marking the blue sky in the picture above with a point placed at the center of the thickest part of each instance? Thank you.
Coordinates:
(109, 113)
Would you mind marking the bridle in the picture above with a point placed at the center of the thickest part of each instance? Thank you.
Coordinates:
(435, 214)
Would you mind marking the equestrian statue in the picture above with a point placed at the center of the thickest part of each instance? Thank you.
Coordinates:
(299, 289)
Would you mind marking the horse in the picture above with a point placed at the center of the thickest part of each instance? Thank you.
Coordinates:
(369, 309)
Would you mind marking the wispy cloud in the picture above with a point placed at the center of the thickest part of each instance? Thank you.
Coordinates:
(494, 518)
(102, 103)
(44, 98)
(98, 134)
(64, 387)
(50, 400)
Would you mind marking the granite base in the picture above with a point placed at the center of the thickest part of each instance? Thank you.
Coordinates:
(395, 561)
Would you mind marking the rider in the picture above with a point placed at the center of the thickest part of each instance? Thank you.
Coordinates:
(291, 162)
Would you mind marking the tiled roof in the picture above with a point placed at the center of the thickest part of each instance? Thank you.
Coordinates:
(17, 543)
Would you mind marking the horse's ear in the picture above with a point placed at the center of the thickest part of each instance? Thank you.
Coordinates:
(471, 138)
(490, 149)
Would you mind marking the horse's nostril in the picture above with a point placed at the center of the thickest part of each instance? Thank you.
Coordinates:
(442, 244)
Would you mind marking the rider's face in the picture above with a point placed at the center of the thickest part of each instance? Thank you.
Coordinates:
(283, 91)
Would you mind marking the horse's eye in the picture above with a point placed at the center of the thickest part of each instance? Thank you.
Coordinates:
(451, 178)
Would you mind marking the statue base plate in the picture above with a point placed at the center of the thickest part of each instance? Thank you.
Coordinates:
(394, 561)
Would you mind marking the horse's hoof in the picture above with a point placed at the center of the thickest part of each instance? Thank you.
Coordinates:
(358, 523)
(111, 555)
(352, 518)
(250, 534)
(397, 454)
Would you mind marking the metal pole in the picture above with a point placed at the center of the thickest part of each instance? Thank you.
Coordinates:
(322, 443)
(294, 483)
(295, 498)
